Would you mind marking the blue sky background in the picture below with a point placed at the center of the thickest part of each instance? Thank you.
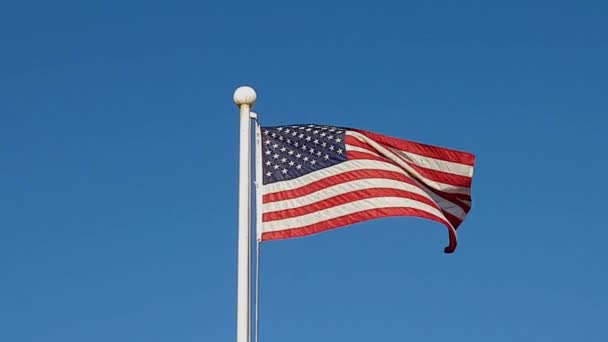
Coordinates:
(118, 168)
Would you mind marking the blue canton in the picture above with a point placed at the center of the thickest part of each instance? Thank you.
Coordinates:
(289, 152)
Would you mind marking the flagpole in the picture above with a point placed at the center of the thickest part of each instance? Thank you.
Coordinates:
(244, 97)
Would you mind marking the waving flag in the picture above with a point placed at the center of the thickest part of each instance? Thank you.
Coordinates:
(316, 178)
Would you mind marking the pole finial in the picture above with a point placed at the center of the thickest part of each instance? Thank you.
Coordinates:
(244, 95)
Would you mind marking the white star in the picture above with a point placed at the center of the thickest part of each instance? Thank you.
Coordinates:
(312, 150)
(308, 138)
(294, 133)
(296, 144)
(323, 134)
(265, 132)
(330, 137)
(315, 131)
(331, 147)
(305, 158)
(289, 141)
(304, 147)
(298, 156)
(281, 137)
(308, 129)
(267, 152)
(324, 144)
(275, 145)
(274, 135)
(338, 140)
(283, 160)
(284, 171)
(267, 142)
(268, 162)
(316, 141)
(301, 136)
(275, 156)
(287, 130)
(280, 129)
(332, 129)
(319, 153)
(291, 163)
(313, 162)
(340, 151)
(299, 166)
(290, 152)
(276, 166)
(268, 174)
(283, 149)
(326, 157)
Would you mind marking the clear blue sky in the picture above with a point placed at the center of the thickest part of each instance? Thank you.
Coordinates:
(118, 168)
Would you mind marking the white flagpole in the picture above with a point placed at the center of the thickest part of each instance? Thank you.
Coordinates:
(244, 97)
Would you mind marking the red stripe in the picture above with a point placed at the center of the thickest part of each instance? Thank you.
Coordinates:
(438, 175)
(350, 140)
(454, 220)
(358, 217)
(434, 175)
(454, 198)
(356, 175)
(421, 149)
(335, 180)
(464, 206)
(353, 155)
(346, 198)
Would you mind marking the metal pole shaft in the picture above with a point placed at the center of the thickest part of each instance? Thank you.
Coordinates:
(244, 97)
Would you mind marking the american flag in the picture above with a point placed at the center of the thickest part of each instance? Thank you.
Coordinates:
(316, 178)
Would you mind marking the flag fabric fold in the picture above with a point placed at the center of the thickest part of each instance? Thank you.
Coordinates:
(316, 178)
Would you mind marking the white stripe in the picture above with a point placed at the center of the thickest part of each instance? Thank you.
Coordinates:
(349, 208)
(468, 203)
(352, 165)
(423, 161)
(362, 184)
(386, 153)
(438, 199)
(360, 149)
